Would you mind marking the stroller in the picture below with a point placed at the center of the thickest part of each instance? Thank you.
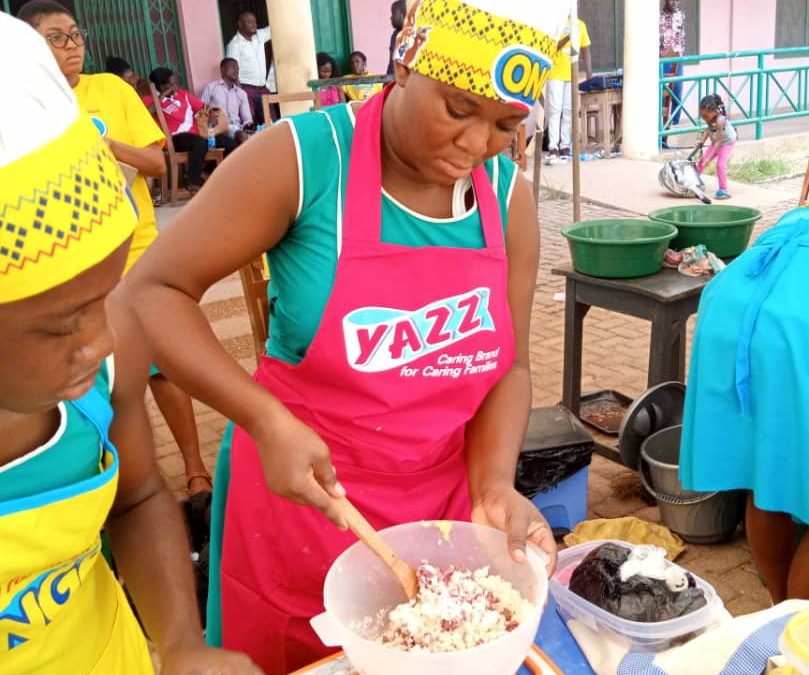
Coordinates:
(680, 177)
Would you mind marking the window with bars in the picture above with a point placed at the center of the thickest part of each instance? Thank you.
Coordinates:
(791, 23)
(605, 23)
(144, 32)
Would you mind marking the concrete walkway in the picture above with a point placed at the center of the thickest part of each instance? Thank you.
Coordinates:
(632, 186)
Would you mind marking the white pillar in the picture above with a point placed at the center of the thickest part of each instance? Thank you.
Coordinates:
(293, 46)
(641, 95)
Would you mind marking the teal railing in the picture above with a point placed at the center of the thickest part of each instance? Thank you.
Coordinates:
(753, 96)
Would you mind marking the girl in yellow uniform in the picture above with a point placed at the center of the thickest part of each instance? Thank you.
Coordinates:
(134, 139)
(72, 377)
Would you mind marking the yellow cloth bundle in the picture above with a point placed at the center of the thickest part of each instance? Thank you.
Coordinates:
(630, 529)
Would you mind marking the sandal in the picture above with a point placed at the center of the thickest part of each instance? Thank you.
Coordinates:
(201, 475)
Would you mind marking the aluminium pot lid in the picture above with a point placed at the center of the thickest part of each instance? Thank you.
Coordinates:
(659, 408)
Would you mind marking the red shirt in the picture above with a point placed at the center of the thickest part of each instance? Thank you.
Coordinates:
(179, 109)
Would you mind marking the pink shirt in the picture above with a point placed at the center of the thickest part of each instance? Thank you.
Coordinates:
(329, 96)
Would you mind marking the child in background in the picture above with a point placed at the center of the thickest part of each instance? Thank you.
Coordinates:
(327, 69)
(723, 139)
(359, 68)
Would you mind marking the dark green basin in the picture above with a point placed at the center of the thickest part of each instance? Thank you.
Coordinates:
(725, 230)
(618, 249)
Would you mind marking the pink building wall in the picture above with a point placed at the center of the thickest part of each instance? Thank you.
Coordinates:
(202, 41)
(370, 20)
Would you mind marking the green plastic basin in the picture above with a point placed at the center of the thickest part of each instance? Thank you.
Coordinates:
(618, 249)
(725, 230)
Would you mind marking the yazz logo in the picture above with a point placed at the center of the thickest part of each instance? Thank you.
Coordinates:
(379, 338)
(519, 73)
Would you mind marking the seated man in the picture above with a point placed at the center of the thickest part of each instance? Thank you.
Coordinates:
(180, 109)
(227, 95)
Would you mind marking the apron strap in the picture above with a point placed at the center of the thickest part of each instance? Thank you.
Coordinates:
(489, 209)
(363, 204)
(98, 411)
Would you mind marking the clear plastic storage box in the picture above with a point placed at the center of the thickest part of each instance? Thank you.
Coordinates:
(635, 635)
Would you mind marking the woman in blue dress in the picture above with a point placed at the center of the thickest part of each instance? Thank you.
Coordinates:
(746, 424)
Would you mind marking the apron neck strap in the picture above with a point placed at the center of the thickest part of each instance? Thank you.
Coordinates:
(98, 412)
(363, 206)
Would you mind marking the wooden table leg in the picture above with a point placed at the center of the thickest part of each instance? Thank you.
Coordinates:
(666, 349)
(604, 112)
(574, 328)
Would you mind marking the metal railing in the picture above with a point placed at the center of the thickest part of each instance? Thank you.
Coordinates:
(752, 96)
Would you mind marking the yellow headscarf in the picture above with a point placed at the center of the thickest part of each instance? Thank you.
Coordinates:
(500, 49)
(64, 205)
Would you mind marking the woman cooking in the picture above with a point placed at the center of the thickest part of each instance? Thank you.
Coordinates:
(403, 251)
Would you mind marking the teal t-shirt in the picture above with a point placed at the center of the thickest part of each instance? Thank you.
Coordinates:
(71, 455)
(302, 265)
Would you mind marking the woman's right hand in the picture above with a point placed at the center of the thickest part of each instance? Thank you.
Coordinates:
(297, 465)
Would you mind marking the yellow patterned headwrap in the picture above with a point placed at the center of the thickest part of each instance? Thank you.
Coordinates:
(503, 54)
(64, 206)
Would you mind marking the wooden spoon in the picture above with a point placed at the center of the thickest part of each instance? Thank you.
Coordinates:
(357, 523)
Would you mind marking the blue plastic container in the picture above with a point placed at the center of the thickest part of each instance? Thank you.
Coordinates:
(565, 505)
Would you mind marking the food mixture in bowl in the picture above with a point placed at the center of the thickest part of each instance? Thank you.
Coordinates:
(456, 609)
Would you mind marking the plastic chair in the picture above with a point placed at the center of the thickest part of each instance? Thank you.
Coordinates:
(170, 183)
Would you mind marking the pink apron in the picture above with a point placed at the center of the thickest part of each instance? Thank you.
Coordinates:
(410, 343)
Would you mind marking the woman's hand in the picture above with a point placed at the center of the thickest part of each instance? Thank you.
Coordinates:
(507, 510)
(297, 464)
(206, 661)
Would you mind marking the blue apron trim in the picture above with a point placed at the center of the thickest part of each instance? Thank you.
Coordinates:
(98, 412)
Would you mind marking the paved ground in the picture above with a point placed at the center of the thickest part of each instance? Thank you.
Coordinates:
(615, 357)
(634, 186)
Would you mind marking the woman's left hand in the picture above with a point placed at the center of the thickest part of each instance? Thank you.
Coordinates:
(202, 660)
(507, 510)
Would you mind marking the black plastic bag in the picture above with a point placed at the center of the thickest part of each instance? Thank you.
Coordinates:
(197, 512)
(598, 580)
(539, 471)
(556, 446)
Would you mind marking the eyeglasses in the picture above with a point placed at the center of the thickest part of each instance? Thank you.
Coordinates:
(60, 40)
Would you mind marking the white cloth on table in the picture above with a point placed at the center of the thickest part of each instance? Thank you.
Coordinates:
(734, 646)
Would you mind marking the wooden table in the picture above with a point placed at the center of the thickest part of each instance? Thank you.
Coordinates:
(666, 299)
(603, 103)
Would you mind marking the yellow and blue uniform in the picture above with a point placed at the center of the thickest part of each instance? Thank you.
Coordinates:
(120, 115)
(56, 589)
(64, 208)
